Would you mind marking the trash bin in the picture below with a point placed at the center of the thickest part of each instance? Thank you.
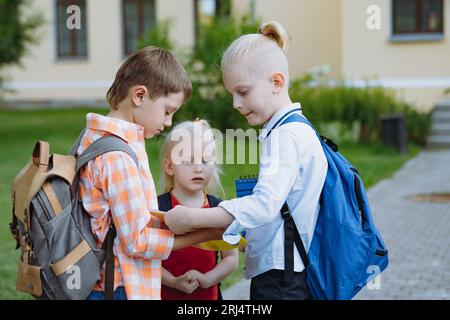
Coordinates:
(393, 131)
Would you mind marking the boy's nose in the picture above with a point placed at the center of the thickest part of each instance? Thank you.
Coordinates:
(168, 122)
(237, 105)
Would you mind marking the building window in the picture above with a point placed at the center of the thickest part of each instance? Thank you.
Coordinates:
(139, 17)
(418, 17)
(206, 10)
(71, 40)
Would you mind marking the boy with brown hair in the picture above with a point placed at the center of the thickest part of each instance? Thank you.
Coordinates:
(150, 86)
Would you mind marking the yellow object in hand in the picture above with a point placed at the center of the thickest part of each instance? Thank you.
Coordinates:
(212, 245)
(220, 245)
(158, 214)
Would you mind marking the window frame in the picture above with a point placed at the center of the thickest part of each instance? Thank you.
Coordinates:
(418, 4)
(140, 22)
(74, 53)
(197, 16)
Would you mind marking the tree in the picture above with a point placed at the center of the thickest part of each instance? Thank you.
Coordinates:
(17, 31)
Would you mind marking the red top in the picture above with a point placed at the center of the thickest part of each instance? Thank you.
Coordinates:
(189, 258)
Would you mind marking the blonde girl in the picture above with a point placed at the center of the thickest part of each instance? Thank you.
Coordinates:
(191, 177)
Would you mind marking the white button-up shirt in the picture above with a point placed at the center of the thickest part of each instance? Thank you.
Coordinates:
(292, 168)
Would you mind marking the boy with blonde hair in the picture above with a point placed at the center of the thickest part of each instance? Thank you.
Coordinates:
(293, 168)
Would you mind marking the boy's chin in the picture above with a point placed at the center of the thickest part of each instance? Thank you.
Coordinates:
(255, 122)
(151, 135)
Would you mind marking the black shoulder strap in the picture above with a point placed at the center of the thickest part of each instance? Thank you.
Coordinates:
(213, 201)
(291, 236)
(108, 245)
(164, 203)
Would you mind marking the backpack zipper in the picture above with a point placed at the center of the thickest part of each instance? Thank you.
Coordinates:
(358, 194)
(41, 201)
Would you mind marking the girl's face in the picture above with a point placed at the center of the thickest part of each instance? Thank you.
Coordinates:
(155, 115)
(253, 96)
(193, 171)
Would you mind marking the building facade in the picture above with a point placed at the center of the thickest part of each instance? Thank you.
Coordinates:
(400, 44)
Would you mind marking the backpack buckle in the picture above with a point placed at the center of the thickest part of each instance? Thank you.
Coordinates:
(285, 212)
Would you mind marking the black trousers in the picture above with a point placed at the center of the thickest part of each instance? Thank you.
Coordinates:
(270, 285)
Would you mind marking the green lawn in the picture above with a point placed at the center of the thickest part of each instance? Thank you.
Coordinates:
(20, 130)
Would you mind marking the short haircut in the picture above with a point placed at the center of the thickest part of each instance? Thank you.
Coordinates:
(156, 69)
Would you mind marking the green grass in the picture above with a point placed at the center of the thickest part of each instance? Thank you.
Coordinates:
(21, 129)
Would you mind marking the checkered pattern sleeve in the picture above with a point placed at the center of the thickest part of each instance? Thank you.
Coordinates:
(119, 180)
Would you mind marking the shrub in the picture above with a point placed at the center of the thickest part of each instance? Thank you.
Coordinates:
(356, 108)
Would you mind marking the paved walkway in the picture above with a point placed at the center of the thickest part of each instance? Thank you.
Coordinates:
(417, 234)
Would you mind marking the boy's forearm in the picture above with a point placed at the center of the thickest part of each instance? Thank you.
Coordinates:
(191, 238)
(211, 218)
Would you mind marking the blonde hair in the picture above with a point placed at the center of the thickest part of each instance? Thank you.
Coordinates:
(166, 181)
(268, 47)
(156, 69)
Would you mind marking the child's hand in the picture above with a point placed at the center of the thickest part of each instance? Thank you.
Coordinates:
(186, 284)
(217, 233)
(178, 219)
(200, 277)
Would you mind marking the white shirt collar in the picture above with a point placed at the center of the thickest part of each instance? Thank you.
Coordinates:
(275, 120)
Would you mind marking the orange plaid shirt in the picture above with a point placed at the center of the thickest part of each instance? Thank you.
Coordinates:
(113, 186)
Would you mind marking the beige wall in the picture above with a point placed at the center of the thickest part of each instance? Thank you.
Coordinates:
(313, 26)
(322, 32)
(45, 77)
(422, 68)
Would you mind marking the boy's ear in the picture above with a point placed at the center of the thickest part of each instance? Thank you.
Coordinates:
(278, 81)
(138, 93)
(168, 167)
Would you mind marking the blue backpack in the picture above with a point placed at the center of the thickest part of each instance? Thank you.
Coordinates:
(347, 250)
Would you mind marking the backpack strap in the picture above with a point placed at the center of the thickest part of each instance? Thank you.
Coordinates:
(164, 203)
(104, 145)
(283, 119)
(76, 145)
(301, 119)
(97, 148)
(213, 201)
(291, 234)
